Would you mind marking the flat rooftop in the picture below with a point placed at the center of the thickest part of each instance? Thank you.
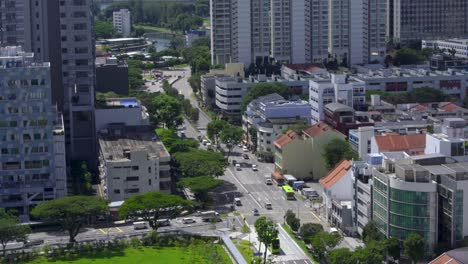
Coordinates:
(122, 102)
(114, 146)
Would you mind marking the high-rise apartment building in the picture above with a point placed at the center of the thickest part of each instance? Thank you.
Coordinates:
(33, 167)
(122, 23)
(414, 20)
(357, 30)
(61, 32)
(260, 29)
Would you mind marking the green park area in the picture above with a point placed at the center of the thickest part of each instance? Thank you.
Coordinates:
(175, 255)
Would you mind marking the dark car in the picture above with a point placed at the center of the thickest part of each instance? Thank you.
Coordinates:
(234, 162)
(245, 156)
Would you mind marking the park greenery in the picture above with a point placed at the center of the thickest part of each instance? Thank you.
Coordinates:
(292, 220)
(267, 233)
(10, 229)
(153, 206)
(104, 30)
(335, 151)
(199, 162)
(308, 230)
(168, 110)
(177, 17)
(420, 95)
(71, 212)
(262, 89)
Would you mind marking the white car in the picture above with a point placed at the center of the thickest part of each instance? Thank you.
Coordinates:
(188, 221)
(245, 149)
(254, 167)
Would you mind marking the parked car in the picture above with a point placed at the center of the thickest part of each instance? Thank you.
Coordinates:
(188, 221)
(234, 162)
(238, 167)
(245, 156)
(245, 149)
(139, 225)
(254, 167)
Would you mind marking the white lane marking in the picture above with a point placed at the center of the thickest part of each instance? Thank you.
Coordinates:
(245, 189)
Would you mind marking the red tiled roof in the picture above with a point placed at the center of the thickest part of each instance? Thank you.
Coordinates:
(400, 142)
(418, 108)
(285, 139)
(277, 175)
(303, 67)
(336, 174)
(445, 259)
(449, 107)
(318, 129)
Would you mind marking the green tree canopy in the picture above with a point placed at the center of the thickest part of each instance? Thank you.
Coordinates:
(372, 253)
(231, 136)
(183, 145)
(104, 29)
(266, 231)
(308, 230)
(324, 242)
(11, 229)
(336, 151)
(393, 247)
(262, 89)
(81, 176)
(169, 110)
(153, 206)
(70, 212)
(414, 246)
(340, 256)
(200, 185)
(200, 162)
(407, 56)
(214, 129)
(370, 232)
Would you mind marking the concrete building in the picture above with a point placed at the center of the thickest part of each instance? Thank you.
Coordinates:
(192, 35)
(344, 118)
(362, 191)
(405, 201)
(337, 196)
(32, 141)
(270, 115)
(61, 32)
(357, 31)
(111, 76)
(360, 140)
(415, 20)
(122, 22)
(132, 162)
(459, 46)
(334, 88)
(302, 156)
(126, 111)
(412, 144)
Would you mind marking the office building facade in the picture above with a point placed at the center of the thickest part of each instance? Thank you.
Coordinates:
(33, 167)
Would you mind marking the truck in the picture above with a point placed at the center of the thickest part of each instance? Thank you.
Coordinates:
(210, 216)
(268, 180)
(289, 179)
(298, 185)
(139, 225)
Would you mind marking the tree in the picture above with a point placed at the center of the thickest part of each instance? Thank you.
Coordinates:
(267, 233)
(393, 247)
(104, 29)
(289, 216)
(370, 232)
(373, 253)
(200, 185)
(11, 229)
(195, 82)
(214, 129)
(169, 110)
(252, 132)
(183, 145)
(71, 212)
(335, 151)
(414, 246)
(231, 136)
(308, 230)
(340, 256)
(198, 162)
(324, 242)
(82, 178)
(407, 56)
(295, 223)
(261, 89)
(153, 206)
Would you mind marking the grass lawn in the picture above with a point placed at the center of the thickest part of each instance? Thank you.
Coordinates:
(301, 243)
(244, 248)
(148, 76)
(174, 255)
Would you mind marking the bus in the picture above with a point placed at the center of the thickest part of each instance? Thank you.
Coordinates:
(275, 246)
(288, 192)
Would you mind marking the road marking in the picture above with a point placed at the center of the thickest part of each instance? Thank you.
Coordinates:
(245, 189)
(102, 231)
(316, 217)
(120, 230)
(245, 221)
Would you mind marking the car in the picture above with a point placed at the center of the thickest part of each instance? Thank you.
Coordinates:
(240, 145)
(254, 167)
(199, 138)
(245, 156)
(234, 162)
(268, 206)
(245, 149)
(255, 212)
(188, 221)
(238, 167)
(153, 83)
(32, 243)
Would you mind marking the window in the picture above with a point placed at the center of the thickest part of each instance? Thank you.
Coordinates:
(135, 168)
(132, 178)
(116, 191)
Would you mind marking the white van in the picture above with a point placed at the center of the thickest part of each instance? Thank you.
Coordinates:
(238, 166)
(268, 180)
(237, 201)
(204, 142)
(139, 225)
